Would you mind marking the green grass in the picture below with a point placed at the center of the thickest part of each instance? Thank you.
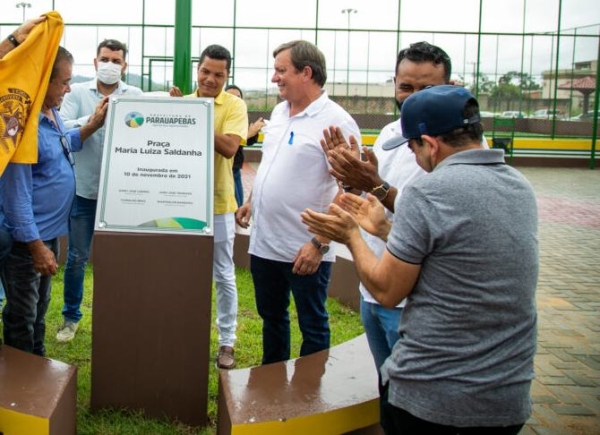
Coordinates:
(345, 324)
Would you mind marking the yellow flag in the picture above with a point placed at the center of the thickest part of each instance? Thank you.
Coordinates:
(24, 76)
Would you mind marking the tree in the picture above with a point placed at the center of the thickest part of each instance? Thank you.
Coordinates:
(523, 80)
(482, 85)
(504, 92)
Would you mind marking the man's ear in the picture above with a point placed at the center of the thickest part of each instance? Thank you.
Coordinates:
(124, 67)
(307, 73)
(433, 143)
(436, 152)
(431, 140)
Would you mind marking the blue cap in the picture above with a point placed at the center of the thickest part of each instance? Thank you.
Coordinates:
(394, 142)
(435, 111)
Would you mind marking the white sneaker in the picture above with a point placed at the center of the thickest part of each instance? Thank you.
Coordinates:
(67, 331)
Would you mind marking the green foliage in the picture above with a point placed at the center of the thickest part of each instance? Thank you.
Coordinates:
(504, 93)
(522, 79)
(483, 84)
(345, 324)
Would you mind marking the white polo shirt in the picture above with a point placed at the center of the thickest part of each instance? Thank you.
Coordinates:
(398, 167)
(294, 175)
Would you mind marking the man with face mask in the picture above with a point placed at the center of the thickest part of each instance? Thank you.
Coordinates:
(385, 173)
(76, 108)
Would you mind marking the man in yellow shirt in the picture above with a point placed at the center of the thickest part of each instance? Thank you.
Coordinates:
(231, 127)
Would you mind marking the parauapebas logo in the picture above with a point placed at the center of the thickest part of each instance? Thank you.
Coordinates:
(134, 119)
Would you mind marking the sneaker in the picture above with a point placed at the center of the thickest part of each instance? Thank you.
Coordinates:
(67, 331)
(225, 358)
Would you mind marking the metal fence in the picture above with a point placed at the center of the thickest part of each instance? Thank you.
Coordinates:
(528, 59)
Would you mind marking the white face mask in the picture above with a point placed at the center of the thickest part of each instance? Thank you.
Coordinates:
(108, 73)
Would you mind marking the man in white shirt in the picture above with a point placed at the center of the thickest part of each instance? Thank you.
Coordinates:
(293, 175)
(388, 169)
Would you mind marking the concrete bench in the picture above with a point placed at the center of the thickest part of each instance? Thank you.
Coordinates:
(329, 392)
(37, 395)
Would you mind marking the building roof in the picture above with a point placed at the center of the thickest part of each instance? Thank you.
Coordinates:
(584, 84)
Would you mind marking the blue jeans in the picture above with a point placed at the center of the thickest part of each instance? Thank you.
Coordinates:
(381, 325)
(239, 186)
(81, 231)
(5, 246)
(273, 281)
(27, 299)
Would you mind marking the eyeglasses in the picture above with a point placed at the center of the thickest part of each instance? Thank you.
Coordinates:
(67, 150)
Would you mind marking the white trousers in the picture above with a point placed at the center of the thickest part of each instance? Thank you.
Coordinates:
(224, 277)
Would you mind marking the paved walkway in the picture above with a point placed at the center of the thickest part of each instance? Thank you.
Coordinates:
(566, 391)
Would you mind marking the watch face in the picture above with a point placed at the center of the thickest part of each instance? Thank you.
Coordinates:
(321, 247)
(378, 192)
(381, 192)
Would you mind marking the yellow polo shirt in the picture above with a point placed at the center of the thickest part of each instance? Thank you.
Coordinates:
(231, 117)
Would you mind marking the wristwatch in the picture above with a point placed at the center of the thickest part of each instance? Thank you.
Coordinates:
(345, 187)
(380, 192)
(323, 248)
(13, 40)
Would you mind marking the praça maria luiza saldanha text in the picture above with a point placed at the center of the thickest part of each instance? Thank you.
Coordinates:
(157, 148)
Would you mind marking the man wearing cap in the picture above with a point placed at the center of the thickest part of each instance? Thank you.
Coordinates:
(465, 254)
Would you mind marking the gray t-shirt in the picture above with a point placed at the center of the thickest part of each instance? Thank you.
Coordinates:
(468, 332)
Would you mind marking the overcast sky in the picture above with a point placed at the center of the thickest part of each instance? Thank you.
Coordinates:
(440, 15)
(372, 54)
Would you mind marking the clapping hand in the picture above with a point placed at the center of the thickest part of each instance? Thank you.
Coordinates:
(369, 213)
(338, 224)
(346, 163)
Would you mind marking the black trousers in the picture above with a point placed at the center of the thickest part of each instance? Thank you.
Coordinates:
(396, 421)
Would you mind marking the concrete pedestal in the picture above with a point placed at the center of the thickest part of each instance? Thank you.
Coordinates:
(151, 324)
(37, 395)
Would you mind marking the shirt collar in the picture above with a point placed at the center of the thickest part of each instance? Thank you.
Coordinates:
(477, 156)
(121, 87)
(219, 99)
(43, 116)
(397, 127)
(58, 126)
(314, 107)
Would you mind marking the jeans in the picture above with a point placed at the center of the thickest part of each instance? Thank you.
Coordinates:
(224, 277)
(5, 246)
(381, 325)
(81, 231)
(239, 186)
(273, 281)
(27, 299)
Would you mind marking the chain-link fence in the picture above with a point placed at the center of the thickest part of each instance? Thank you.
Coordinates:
(536, 61)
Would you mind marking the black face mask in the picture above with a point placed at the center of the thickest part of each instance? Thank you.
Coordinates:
(399, 105)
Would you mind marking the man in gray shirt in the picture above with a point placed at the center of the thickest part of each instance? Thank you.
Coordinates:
(465, 254)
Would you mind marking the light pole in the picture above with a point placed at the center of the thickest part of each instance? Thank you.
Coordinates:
(348, 12)
(475, 86)
(23, 5)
